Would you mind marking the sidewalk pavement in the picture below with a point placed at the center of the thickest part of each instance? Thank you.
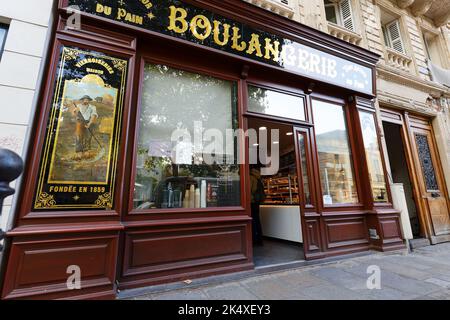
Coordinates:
(423, 274)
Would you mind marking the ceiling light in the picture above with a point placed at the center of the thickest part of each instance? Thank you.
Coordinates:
(290, 134)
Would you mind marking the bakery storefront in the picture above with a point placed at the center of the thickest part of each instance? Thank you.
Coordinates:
(150, 118)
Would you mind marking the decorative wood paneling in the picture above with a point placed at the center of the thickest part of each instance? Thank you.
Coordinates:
(313, 235)
(390, 229)
(38, 267)
(154, 253)
(341, 232)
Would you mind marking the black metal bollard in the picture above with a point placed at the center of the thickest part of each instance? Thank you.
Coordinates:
(11, 167)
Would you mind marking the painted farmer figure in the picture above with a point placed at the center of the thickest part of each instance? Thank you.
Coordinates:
(86, 115)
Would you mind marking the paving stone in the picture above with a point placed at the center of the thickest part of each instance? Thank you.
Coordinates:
(301, 279)
(440, 295)
(232, 291)
(332, 292)
(410, 262)
(272, 289)
(438, 282)
(342, 278)
(407, 284)
(386, 293)
(180, 295)
(403, 270)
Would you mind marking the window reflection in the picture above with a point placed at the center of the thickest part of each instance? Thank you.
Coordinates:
(174, 170)
(275, 103)
(373, 155)
(304, 167)
(3, 33)
(336, 169)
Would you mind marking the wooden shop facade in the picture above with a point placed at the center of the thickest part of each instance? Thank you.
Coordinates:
(104, 193)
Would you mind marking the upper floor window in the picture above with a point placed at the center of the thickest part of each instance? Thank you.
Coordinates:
(393, 36)
(340, 12)
(433, 49)
(3, 32)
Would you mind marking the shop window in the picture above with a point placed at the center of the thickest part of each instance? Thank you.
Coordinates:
(275, 103)
(3, 33)
(393, 36)
(340, 13)
(373, 155)
(335, 158)
(304, 168)
(181, 160)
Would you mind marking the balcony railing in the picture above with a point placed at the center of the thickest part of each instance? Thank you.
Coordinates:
(398, 60)
(344, 34)
(281, 7)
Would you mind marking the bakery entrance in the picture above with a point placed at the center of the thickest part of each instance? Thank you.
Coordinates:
(276, 191)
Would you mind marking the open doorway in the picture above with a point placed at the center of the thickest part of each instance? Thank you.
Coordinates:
(400, 172)
(279, 213)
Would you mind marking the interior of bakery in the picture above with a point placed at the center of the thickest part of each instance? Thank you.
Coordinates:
(282, 240)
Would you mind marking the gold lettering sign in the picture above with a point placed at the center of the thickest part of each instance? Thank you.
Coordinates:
(79, 161)
(182, 20)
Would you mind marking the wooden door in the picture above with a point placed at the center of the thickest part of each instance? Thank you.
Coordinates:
(431, 179)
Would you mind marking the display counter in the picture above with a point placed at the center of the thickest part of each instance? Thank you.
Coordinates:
(282, 222)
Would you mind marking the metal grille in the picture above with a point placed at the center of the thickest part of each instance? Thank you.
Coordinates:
(427, 163)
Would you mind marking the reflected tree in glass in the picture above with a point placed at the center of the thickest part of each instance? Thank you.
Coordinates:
(174, 100)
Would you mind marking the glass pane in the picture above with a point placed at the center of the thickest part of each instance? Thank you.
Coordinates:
(181, 160)
(304, 167)
(426, 161)
(275, 103)
(3, 31)
(330, 11)
(336, 169)
(373, 155)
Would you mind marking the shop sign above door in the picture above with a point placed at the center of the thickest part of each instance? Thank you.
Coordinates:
(184, 21)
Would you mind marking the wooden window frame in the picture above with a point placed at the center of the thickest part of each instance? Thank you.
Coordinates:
(147, 58)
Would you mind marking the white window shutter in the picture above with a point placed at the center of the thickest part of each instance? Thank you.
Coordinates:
(348, 22)
(395, 36)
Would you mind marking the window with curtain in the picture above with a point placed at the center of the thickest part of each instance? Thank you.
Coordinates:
(335, 157)
(181, 162)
